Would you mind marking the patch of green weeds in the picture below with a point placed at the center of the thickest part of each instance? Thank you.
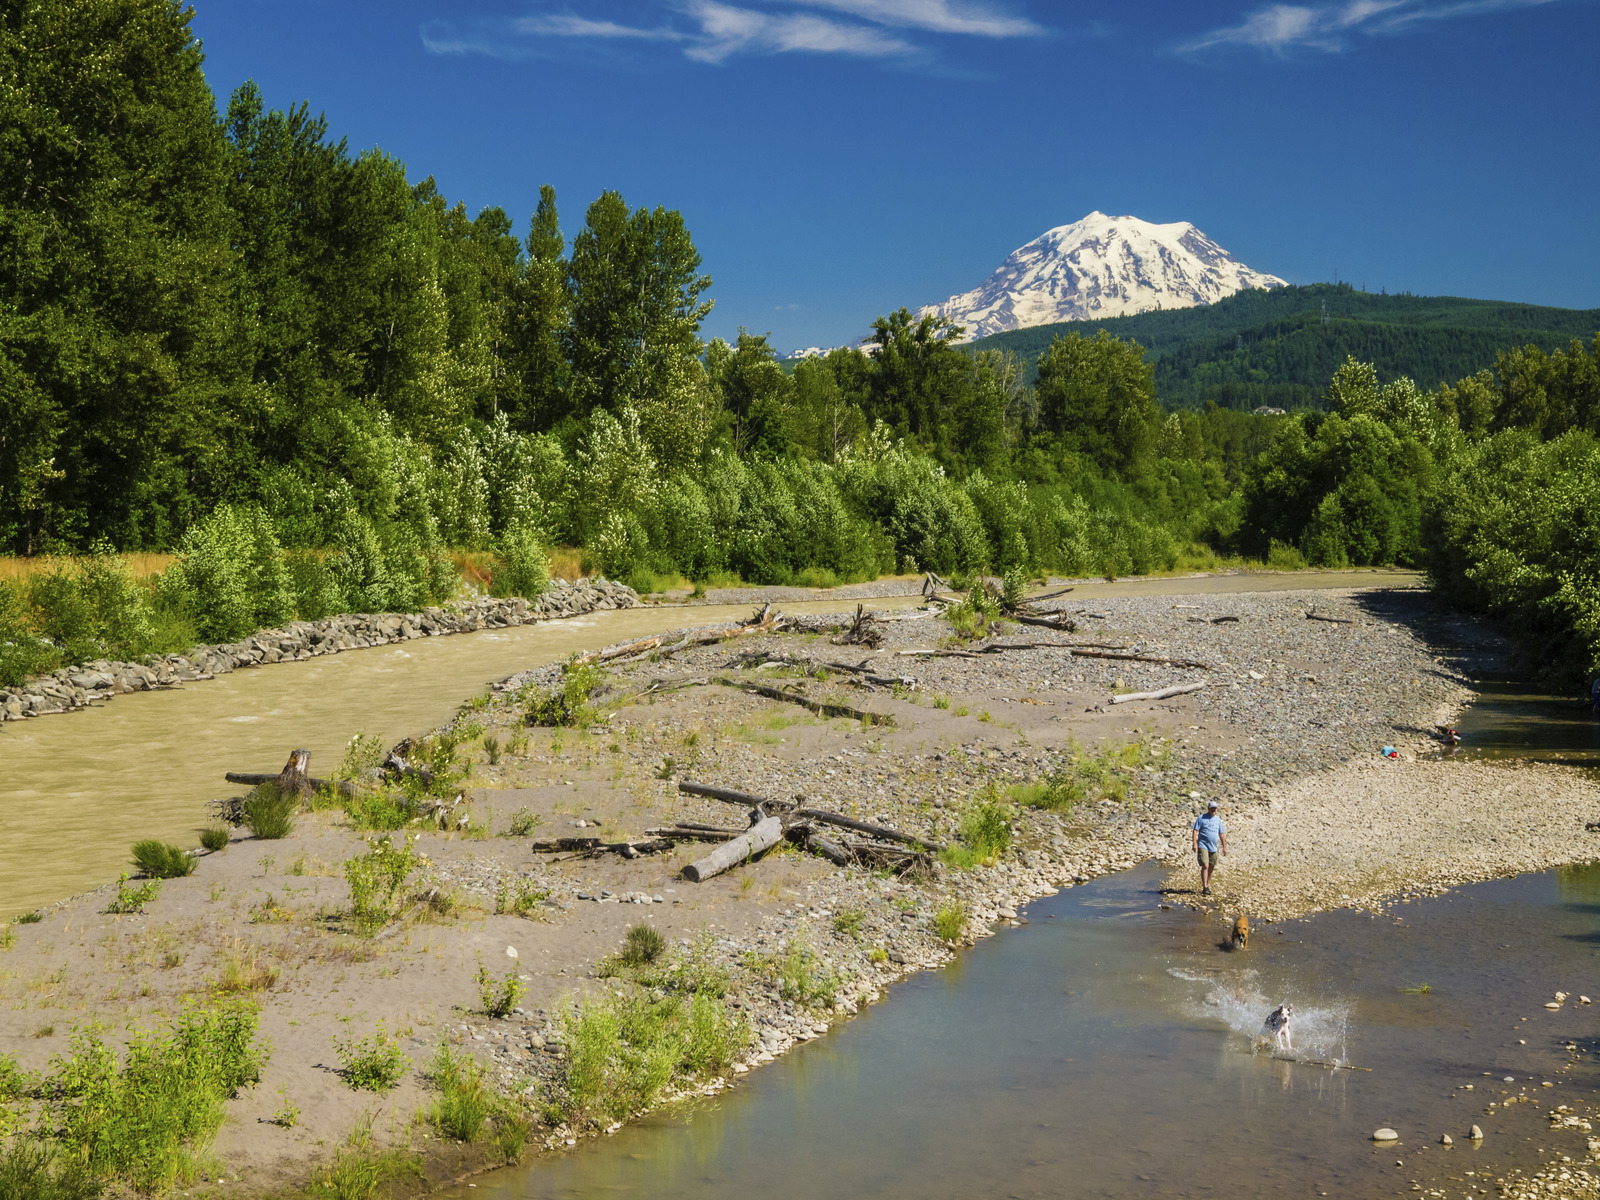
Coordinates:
(950, 922)
(373, 1063)
(377, 878)
(800, 976)
(215, 837)
(269, 813)
(466, 1105)
(523, 822)
(133, 899)
(360, 1167)
(567, 704)
(877, 955)
(32, 1170)
(148, 1120)
(491, 748)
(31, 918)
(624, 1050)
(985, 834)
(849, 922)
(162, 860)
(500, 996)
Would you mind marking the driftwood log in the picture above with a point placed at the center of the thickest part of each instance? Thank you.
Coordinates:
(762, 836)
(822, 708)
(293, 779)
(592, 845)
(1059, 621)
(1162, 694)
(765, 620)
(1311, 616)
(878, 831)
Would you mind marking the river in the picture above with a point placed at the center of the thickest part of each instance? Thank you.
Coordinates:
(1104, 1050)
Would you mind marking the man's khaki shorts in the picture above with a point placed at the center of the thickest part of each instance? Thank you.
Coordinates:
(1208, 858)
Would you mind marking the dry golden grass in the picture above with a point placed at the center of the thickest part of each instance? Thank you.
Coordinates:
(140, 564)
(243, 971)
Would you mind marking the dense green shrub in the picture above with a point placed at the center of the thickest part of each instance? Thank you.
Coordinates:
(91, 608)
(269, 813)
(372, 1063)
(230, 574)
(22, 651)
(520, 567)
(1514, 531)
(162, 860)
(150, 1119)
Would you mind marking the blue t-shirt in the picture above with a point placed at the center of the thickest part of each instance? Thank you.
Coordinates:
(1211, 828)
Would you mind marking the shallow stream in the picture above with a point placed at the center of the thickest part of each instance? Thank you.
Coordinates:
(1105, 1050)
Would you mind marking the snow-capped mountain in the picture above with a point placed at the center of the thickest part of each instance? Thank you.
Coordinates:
(1101, 267)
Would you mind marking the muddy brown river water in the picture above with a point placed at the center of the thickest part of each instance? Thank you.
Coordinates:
(77, 789)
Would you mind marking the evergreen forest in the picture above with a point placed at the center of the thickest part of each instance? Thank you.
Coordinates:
(227, 335)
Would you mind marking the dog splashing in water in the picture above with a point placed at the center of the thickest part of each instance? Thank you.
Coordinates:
(1241, 932)
(1276, 1027)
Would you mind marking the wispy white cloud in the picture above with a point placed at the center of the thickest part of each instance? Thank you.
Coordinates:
(726, 31)
(713, 31)
(937, 16)
(1282, 28)
(571, 25)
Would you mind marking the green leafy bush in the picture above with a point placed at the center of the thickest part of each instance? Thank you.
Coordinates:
(372, 1063)
(23, 653)
(133, 899)
(624, 1050)
(643, 944)
(215, 838)
(230, 575)
(150, 1119)
(500, 996)
(377, 878)
(162, 860)
(985, 834)
(269, 813)
(950, 922)
(520, 567)
(567, 704)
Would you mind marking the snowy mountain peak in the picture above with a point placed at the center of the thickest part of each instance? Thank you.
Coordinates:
(1101, 267)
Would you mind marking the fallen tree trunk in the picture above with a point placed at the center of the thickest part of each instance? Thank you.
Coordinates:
(1081, 652)
(719, 793)
(620, 650)
(764, 835)
(878, 831)
(822, 708)
(1311, 616)
(829, 849)
(292, 780)
(594, 845)
(1179, 690)
(694, 833)
(1064, 623)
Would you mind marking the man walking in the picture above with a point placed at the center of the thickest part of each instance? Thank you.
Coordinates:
(1210, 839)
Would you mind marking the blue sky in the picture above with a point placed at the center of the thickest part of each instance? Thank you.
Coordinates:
(836, 159)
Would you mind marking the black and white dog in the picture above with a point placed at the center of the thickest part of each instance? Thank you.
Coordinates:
(1276, 1026)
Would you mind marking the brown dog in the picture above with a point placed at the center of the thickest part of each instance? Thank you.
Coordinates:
(1241, 932)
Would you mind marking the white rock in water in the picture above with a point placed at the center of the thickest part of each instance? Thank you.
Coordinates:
(1447, 1140)
(1385, 1135)
(1552, 1004)
(1477, 1134)
(1561, 995)
(1584, 1000)
(511, 951)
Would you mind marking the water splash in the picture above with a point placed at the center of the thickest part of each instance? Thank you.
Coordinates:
(1238, 1000)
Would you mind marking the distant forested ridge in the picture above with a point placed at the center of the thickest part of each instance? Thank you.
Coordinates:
(1279, 347)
